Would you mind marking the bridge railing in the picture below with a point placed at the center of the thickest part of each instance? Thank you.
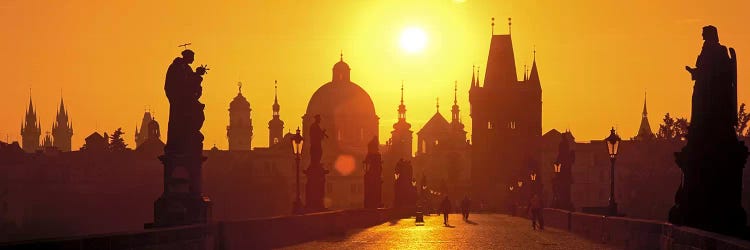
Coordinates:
(637, 233)
(259, 233)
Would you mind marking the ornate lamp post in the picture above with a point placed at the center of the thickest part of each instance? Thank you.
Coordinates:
(613, 144)
(297, 144)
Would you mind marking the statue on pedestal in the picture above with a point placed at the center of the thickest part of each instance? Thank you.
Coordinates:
(713, 159)
(182, 202)
(373, 175)
(316, 180)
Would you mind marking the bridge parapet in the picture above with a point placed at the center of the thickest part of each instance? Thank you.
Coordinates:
(638, 233)
(261, 233)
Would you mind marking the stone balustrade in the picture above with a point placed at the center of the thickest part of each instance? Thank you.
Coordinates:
(259, 233)
(637, 233)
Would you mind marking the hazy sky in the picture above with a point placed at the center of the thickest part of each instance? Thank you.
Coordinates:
(596, 58)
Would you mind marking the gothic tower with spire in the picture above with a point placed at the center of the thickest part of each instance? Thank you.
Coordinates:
(141, 135)
(62, 129)
(644, 131)
(30, 130)
(240, 129)
(401, 136)
(275, 125)
(506, 118)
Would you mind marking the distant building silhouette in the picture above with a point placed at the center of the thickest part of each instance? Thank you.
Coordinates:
(506, 122)
(275, 125)
(443, 152)
(644, 131)
(240, 129)
(142, 135)
(62, 129)
(96, 143)
(31, 130)
(153, 145)
(348, 116)
(401, 136)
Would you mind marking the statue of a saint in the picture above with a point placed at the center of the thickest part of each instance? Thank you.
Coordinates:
(316, 138)
(183, 89)
(714, 108)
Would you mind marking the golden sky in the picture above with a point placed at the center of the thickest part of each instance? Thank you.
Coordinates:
(596, 58)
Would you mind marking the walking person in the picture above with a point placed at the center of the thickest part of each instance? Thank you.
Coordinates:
(465, 205)
(535, 207)
(446, 207)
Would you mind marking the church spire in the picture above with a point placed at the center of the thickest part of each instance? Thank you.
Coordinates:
(534, 75)
(276, 107)
(437, 104)
(456, 118)
(402, 107)
(644, 131)
(473, 80)
(275, 125)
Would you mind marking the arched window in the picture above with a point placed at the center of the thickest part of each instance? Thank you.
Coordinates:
(424, 147)
(275, 140)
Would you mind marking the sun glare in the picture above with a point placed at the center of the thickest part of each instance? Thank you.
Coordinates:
(413, 39)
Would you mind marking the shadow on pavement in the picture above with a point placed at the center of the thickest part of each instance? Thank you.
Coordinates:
(471, 222)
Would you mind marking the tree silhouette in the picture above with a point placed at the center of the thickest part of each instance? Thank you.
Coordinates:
(681, 128)
(116, 143)
(666, 129)
(742, 118)
(673, 129)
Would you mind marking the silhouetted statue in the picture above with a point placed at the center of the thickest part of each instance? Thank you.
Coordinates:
(316, 179)
(712, 161)
(182, 201)
(404, 193)
(316, 139)
(715, 92)
(373, 175)
(183, 89)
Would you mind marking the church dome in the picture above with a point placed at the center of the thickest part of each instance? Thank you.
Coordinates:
(341, 98)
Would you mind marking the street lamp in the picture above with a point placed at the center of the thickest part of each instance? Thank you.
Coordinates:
(533, 177)
(556, 167)
(520, 184)
(297, 142)
(613, 145)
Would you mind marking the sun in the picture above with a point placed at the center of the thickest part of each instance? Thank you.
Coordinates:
(413, 40)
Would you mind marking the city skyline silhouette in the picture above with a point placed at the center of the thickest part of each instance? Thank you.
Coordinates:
(581, 62)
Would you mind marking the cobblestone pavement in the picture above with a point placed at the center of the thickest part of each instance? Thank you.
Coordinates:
(483, 231)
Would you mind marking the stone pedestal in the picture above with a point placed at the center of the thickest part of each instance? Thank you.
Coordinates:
(373, 191)
(315, 188)
(182, 202)
(709, 197)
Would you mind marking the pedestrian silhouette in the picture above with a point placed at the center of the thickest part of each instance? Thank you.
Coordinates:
(446, 207)
(535, 207)
(465, 205)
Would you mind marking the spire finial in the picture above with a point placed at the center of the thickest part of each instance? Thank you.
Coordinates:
(437, 104)
(493, 26)
(455, 91)
(534, 52)
(341, 56)
(509, 24)
(239, 87)
(645, 112)
(402, 92)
